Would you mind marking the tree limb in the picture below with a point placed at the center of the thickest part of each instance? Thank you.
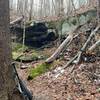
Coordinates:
(94, 46)
(16, 21)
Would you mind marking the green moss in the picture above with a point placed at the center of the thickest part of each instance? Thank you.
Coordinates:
(20, 54)
(16, 46)
(28, 57)
(17, 50)
(16, 55)
(32, 55)
(23, 49)
(38, 70)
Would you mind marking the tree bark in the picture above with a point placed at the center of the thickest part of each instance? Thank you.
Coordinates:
(7, 83)
(31, 10)
(98, 11)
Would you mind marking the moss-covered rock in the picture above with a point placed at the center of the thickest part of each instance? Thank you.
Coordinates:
(28, 57)
(25, 54)
(18, 47)
(16, 55)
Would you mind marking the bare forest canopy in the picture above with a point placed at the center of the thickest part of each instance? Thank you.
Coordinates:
(49, 9)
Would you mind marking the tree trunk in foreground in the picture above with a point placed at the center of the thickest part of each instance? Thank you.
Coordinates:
(7, 83)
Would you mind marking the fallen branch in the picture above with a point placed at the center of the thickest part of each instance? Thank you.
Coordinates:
(92, 48)
(86, 43)
(60, 48)
(78, 55)
(64, 44)
(69, 62)
(83, 48)
(16, 21)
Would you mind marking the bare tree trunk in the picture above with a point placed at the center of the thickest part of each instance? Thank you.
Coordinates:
(7, 83)
(53, 7)
(98, 10)
(31, 9)
(11, 4)
(18, 3)
(61, 7)
(69, 7)
(57, 4)
(20, 7)
(41, 8)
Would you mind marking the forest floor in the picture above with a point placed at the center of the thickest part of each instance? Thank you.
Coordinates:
(78, 82)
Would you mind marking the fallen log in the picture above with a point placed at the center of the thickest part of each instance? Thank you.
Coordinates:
(63, 45)
(16, 21)
(60, 48)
